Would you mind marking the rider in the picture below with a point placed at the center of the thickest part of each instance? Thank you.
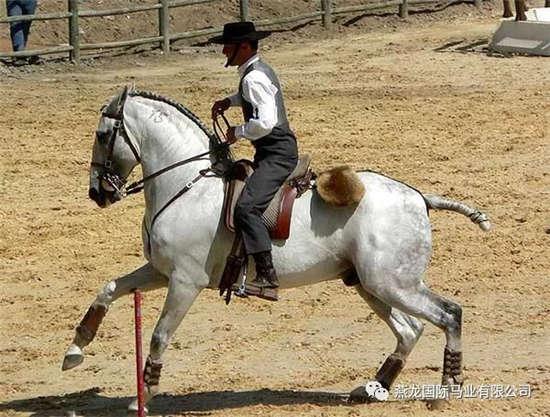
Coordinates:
(266, 126)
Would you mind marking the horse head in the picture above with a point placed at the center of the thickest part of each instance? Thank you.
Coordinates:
(114, 154)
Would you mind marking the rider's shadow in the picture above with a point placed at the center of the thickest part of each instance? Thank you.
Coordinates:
(91, 403)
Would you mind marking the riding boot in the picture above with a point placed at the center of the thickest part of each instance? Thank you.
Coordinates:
(266, 277)
(266, 283)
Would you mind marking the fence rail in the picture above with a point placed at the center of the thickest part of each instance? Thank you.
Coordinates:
(325, 12)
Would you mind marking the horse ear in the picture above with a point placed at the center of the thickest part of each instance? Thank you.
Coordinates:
(123, 96)
(115, 107)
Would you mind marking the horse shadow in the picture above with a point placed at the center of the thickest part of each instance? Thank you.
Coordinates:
(90, 403)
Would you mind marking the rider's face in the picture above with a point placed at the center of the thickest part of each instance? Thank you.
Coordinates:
(229, 52)
(237, 54)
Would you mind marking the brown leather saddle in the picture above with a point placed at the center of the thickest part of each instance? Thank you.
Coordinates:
(278, 213)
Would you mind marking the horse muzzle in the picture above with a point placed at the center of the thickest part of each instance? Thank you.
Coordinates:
(99, 196)
(102, 197)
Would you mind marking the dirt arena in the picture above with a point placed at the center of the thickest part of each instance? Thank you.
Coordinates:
(462, 124)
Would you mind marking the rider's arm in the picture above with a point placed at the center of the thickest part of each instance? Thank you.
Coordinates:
(259, 91)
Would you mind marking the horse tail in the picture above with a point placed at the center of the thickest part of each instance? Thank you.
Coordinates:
(441, 203)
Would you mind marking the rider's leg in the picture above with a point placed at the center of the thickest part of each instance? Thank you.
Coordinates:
(260, 188)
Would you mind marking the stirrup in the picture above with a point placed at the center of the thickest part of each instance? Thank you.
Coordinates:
(240, 289)
(270, 294)
(244, 289)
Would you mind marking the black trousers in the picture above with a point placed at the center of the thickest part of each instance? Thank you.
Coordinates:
(275, 159)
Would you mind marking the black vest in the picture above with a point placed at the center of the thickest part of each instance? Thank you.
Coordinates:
(282, 128)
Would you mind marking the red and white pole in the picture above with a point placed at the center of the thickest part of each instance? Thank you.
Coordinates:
(139, 357)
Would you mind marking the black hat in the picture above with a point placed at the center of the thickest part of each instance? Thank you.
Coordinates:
(238, 32)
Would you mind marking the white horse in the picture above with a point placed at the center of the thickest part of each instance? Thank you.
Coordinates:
(384, 242)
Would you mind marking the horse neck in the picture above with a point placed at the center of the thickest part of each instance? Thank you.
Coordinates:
(165, 136)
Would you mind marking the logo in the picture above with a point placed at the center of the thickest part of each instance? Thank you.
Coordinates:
(375, 390)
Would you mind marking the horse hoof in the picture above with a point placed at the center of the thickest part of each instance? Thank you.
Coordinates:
(73, 358)
(371, 392)
(133, 407)
(148, 393)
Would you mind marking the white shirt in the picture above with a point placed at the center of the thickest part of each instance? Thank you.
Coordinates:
(259, 91)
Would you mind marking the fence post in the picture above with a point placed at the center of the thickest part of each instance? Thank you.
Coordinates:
(326, 7)
(244, 10)
(74, 34)
(404, 9)
(164, 26)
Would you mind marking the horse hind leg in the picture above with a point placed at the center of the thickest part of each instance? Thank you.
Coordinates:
(420, 302)
(407, 331)
(144, 278)
(446, 315)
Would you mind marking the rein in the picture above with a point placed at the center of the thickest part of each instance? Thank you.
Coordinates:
(219, 134)
(221, 145)
(137, 186)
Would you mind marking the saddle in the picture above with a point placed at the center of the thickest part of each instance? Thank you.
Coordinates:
(277, 215)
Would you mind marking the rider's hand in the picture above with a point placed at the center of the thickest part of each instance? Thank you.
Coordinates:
(219, 107)
(230, 135)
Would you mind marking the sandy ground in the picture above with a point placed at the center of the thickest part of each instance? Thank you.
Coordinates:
(462, 124)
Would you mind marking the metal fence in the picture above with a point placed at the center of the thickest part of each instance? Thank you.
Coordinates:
(325, 11)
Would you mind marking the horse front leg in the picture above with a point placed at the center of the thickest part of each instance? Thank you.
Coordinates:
(182, 292)
(145, 278)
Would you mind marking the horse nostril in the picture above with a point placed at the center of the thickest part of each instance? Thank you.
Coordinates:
(93, 194)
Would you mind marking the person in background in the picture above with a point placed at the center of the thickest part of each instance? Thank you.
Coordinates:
(19, 31)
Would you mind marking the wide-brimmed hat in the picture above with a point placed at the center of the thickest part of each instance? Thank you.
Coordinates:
(238, 32)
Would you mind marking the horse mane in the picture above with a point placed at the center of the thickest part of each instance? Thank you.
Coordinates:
(178, 106)
(221, 154)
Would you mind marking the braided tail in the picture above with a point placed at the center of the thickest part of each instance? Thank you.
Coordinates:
(440, 203)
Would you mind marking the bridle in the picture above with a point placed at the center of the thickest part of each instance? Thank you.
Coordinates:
(115, 110)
